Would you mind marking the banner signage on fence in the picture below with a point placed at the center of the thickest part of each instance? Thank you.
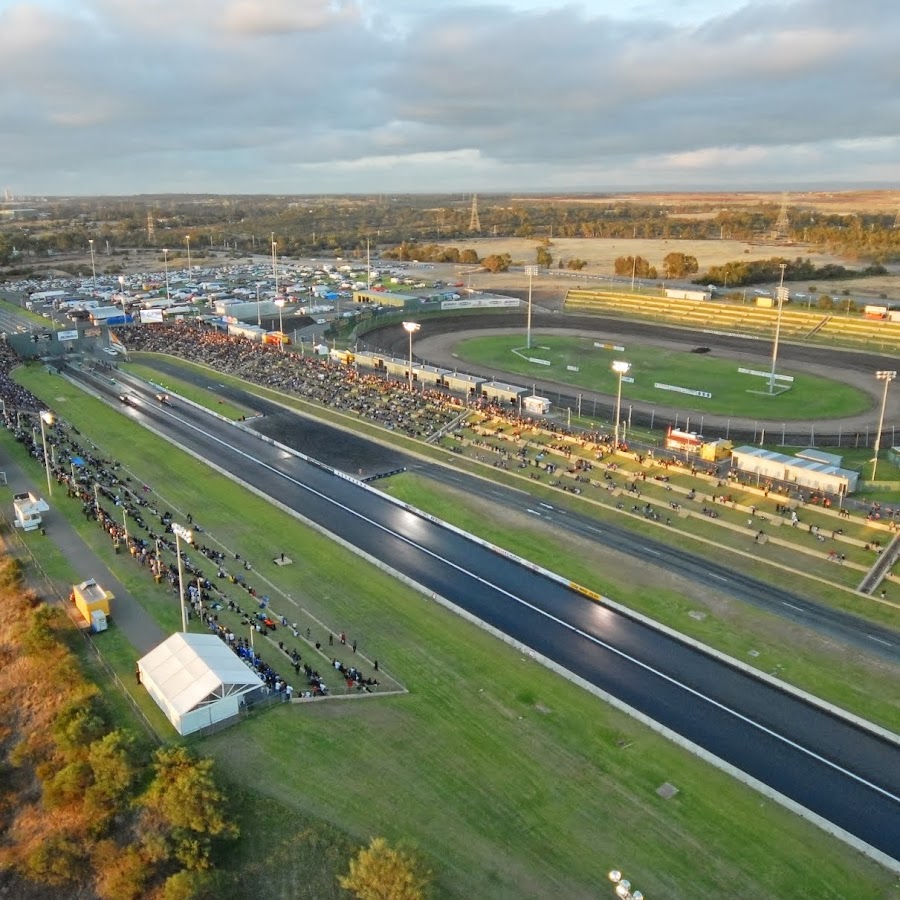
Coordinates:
(617, 347)
(476, 304)
(67, 335)
(706, 395)
(540, 362)
(151, 315)
(571, 368)
(766, 374)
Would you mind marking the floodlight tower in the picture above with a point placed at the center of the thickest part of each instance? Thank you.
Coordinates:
(530, 271)
(93, 267)
(411, 329)
(781, 299)
(620, 367)
(887, 377)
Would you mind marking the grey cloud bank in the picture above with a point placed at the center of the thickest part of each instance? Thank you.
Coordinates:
(301, 96)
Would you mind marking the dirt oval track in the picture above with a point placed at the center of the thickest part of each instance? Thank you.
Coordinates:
(435, 344)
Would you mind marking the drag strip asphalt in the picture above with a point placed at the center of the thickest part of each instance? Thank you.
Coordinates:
(841, 772)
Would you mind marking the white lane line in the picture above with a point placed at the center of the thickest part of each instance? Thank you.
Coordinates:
(880, 641)
(791, 605)
(718, 577)
(561, 622)
(546, 505)
(534, 512)
(651, 551)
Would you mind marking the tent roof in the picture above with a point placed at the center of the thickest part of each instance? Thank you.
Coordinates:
(187, 668)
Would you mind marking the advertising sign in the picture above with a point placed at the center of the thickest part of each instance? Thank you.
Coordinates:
(151, 315)
(67, 335)
(683, 390)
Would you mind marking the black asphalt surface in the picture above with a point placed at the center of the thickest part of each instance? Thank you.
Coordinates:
(394, 340)
(849, 629)
(845, 774)
(345, 451)
(354, 455)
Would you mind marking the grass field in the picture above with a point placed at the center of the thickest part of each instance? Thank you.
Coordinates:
(514, 783)
(733, 394)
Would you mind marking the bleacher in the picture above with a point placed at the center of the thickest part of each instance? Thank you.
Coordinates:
(814, 326)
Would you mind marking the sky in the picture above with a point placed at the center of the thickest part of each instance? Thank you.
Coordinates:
(444, 96)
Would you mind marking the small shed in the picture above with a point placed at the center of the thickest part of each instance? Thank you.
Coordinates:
(502, 393)
(28, 510)
(90, 598)
(536, 406)
(470, 385)
(197, 680)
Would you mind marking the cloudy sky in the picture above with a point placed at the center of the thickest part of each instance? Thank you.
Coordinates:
(321, 96)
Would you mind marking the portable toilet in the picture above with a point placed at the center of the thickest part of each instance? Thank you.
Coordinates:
(89, 597)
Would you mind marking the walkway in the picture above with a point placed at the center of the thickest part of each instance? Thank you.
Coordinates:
(128, 615)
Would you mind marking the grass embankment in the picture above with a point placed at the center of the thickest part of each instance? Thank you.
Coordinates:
(515, 783)
(578, 362)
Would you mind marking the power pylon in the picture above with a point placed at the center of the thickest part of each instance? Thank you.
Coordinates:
(782, 225)
(474, 221)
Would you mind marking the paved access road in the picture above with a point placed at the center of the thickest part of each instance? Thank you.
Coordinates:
(843, 773)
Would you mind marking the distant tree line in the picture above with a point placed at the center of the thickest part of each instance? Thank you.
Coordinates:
(740, 273)
(346, 225)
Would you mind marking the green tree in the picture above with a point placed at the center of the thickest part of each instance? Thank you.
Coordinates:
(184, 804)
(121, 872)
(469, 257)
(497, 263)
(544, 257)
(114, 772)
(679, 265)
(381, 872)
(60, 860)
(576, 264)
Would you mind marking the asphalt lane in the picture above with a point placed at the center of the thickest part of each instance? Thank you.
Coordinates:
(845, 774)
(351, 454)
(870, 637)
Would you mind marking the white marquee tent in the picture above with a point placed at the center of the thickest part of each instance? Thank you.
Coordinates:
(197, 680)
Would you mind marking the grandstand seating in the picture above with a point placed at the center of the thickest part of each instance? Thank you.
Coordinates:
(810, 325)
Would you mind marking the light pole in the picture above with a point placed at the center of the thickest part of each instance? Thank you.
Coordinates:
(187, 239)
(274, 263)
(531, 271)
(411, 329)
(166, 260)
(181, 534)
(258, 313)
(620, 367)
(777, 329)
(279, 302)
(46, 417)
(623, 886)
(93, 267)
(122, 292)
(887, 377)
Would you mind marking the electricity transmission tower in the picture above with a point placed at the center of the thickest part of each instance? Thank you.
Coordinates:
(474, 221)
(782, 225)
